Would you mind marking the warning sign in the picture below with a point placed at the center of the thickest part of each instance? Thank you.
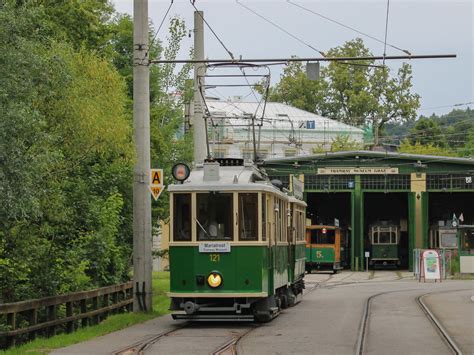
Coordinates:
(156, 182)
(156, 177)
(156, 191)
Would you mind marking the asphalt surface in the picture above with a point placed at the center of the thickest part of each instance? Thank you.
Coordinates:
(327, 321)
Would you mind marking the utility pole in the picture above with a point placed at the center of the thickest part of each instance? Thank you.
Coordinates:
(199, 125)
(142, 261)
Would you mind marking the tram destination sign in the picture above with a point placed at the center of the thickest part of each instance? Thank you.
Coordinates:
(357, 171)
(214, 247)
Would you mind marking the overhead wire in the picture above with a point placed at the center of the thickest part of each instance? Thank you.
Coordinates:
(281, 28)
(213, 32)
(159, 28)
(348, 27)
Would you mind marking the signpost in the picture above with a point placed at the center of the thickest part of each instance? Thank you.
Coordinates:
(156, 183)
(367, 256)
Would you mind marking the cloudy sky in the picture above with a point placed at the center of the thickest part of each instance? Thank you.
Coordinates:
(420, 26)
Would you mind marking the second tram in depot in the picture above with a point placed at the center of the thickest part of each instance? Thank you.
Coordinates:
(384, 238)
(237, 246)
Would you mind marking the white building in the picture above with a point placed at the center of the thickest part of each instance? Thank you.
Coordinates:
(285, 130)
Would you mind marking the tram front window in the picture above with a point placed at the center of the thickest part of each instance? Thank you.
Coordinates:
(323, 237)
(214, 216)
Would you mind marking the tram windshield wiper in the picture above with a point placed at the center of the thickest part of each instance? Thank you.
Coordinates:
(203, 229)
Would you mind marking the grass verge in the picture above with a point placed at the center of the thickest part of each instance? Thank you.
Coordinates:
(161, 284)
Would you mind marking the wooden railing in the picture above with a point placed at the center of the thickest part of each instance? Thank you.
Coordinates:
(23, 321)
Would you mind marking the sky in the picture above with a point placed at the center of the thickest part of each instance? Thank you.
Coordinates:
(420, 26)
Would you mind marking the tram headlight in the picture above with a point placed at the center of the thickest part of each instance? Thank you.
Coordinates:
(214, 279)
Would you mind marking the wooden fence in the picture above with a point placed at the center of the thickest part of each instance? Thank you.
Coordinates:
(23, 321)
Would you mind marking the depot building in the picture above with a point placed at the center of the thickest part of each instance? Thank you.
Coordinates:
(357, 189)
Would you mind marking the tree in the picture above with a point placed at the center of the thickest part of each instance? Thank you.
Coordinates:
(427, 132)
(340, 143)
(354, 93)
(424, 149)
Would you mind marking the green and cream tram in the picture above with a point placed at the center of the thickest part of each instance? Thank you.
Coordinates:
(237, 248)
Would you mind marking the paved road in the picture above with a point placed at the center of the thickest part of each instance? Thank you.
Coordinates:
(327, 321)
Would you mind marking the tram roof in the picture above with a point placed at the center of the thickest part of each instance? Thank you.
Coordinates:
(231, 178)
(370, 154)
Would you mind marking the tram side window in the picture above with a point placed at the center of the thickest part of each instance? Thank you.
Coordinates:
(214, 216)
(248, 209)
(182, 217)
(264, 217)
(467, 240)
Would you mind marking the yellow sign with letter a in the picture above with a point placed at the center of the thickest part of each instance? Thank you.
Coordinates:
(156, 182)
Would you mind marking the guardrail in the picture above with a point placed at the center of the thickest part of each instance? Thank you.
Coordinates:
(23, 321)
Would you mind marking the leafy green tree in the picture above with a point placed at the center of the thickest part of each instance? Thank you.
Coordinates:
(427, 132)
(340, 143)
(354, 94)
(424, 149)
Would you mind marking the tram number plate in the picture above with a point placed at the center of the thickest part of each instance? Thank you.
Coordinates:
(214, 247)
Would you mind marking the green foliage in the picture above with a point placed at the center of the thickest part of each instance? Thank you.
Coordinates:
(66, 145)
(427, 132)
(340, 143)
(355, 94)
(424, 149)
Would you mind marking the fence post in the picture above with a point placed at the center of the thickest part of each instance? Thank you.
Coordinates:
(95, 303)
(105, 303)
(52, 316)
(114, 301)
(33, 320)
(84, 321)
(69, 313)
(11, 322)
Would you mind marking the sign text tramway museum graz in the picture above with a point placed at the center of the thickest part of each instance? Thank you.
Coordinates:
(356, 171)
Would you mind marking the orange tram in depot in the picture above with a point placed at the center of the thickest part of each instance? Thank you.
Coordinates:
(327, 248)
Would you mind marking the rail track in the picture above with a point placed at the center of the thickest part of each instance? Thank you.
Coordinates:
(139, 348)
(363, 329)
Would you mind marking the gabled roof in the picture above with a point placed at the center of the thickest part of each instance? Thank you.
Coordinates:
(369, 154)
(277, 115)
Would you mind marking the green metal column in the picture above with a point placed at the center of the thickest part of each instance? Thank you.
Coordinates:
(411, 228)
(357, 223)
(418, 215)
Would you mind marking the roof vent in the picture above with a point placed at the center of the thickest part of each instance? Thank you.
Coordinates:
(211, 171)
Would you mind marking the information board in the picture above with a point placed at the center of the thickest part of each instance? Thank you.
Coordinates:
(431, 267)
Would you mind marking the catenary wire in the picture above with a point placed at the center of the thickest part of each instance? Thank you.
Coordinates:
(213, 32)
(348, 27)
(159, 27)
(280, 28)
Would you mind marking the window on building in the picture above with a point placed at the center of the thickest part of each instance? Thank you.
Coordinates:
(290, 152)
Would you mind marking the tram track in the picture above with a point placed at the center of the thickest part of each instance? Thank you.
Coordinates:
(139, 347)
(436, 322)
(364, 324)
(231, 346)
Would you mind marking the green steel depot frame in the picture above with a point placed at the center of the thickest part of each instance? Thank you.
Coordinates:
(417, 175)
